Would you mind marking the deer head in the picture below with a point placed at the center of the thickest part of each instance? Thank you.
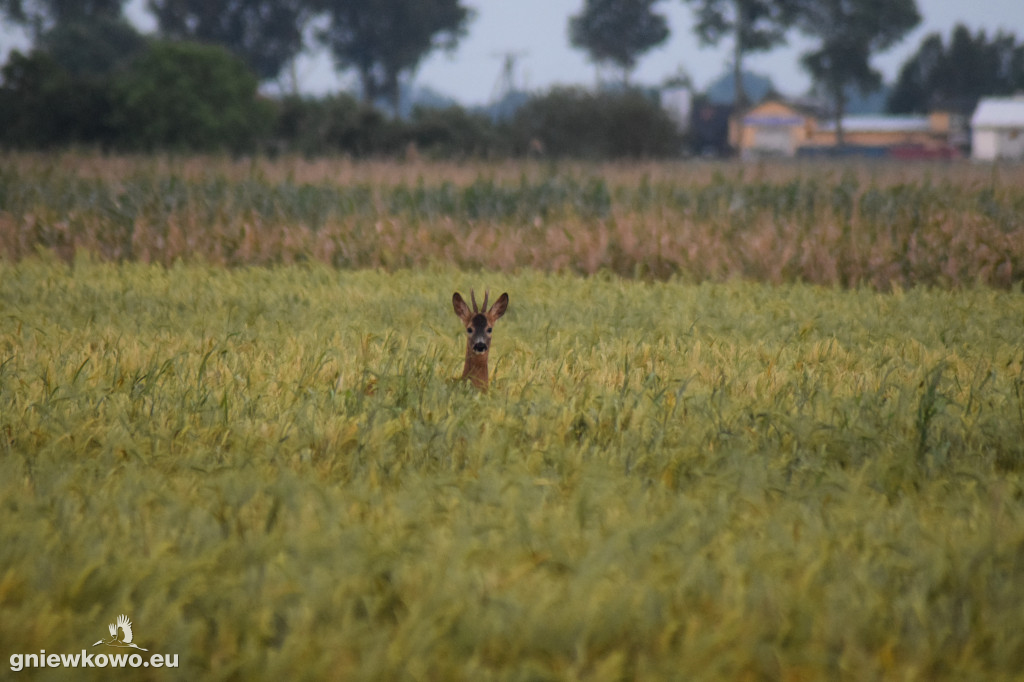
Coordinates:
(479, 324)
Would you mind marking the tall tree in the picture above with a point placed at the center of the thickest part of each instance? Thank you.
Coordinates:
(618, 31)
(87, 38)
(183, 95)
(92, 48)
(969, 68)
(849, 33)
(386, 39)
(39, 16)
(266, 34)
(912, 89)
(753, 25)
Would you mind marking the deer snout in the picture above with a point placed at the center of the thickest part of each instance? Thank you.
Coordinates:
(479, 347)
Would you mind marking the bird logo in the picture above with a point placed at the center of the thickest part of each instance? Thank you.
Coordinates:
(125, 640)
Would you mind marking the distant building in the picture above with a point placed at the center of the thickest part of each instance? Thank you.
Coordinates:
(997, 129)
(776, 127)
(677, 102)
(892, 136)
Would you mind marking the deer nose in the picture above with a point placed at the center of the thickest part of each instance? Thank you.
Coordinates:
(480, 347)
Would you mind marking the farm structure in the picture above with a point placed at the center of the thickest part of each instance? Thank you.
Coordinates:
(778, 128)
(997, 129)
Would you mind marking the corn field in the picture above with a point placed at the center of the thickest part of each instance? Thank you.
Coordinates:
(861, 226)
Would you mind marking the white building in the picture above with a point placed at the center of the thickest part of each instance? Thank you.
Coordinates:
(677, 101)
(997, 129)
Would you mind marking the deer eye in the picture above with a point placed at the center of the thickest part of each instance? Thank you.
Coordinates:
(490, 329)
(469, 330)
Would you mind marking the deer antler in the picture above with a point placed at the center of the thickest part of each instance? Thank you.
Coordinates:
(472, 296)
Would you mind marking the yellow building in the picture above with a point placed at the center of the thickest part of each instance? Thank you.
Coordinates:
(778, 128)
(772, 128)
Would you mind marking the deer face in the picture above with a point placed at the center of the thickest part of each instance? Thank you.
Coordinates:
(479, 331)
(479, 322)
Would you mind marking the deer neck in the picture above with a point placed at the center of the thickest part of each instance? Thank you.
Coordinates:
(475, 369)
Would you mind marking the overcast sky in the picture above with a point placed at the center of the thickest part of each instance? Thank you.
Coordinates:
(536, 31)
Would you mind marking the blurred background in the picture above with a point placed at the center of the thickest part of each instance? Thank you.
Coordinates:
(454, 78)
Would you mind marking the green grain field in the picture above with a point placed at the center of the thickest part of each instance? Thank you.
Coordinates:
(743, 472)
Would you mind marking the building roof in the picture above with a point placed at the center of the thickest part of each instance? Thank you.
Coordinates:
(999, 112)
(754, 120)
(880, 124)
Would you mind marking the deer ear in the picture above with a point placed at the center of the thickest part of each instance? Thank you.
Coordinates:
(461, 309)
(498, 309)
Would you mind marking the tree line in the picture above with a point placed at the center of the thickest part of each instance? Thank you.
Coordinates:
(844, 34)
(91, 78)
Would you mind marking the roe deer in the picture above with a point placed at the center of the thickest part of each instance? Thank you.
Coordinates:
(479, 323)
